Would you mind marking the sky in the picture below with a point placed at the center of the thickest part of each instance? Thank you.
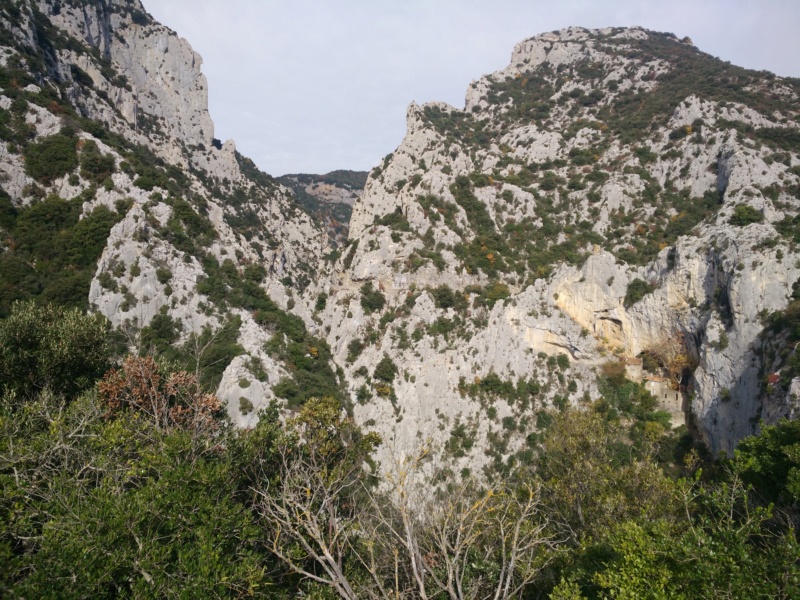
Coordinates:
(309, 86)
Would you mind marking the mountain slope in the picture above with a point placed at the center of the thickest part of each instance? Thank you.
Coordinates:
(613, 199)
(611, 193)
(329, 198)
(117, 193)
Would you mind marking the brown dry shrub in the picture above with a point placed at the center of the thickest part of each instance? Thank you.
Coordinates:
(171, 400)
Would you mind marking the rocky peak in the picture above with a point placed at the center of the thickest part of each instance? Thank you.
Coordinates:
(150, 75)
(604, 184)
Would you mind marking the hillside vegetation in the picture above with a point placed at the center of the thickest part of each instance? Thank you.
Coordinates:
(546, 348)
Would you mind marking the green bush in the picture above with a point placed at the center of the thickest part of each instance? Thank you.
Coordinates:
(354, 350)
(51, 347)
(322, 300)
(90, 234)
(219, 348)
(163, 274)
(160, 334)
(348, 259)
(744, 214)
(385, 370)
(245, 406)
(8, 212)
(496, 291)
(372, 300)
(637, 289)
(444, 298)
(52, 156)
(63, 249)
(771, 461)
(396, 220)
(95, 166)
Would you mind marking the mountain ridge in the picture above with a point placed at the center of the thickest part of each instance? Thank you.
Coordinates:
(553, 312)
(560, 159)
(590, 202)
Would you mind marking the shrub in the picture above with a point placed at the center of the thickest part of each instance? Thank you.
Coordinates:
(348, 259)
(245, 406)
(89, 236)
(354, 350)
(95, 165)
(322, 300)
(160, 333)
(637, 289)
(372, 300)
(363, 395)
(170, 400)
(163, 275)
(219, 348)
(771, 461)
(744, 214)
(394, 220)
(385, 370)
(496, 291)
(445, 298)
(50, 347)
(52, 157)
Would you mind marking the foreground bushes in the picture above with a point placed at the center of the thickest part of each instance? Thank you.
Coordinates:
(54, 348)
(129, 482)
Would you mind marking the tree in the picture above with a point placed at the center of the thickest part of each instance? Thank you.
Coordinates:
(330, 526)
(308, 506)
(135, 489)
(99, 505)
(594, 478)
(770, 461)
(720, 547)
(466, 542)
(50, 347)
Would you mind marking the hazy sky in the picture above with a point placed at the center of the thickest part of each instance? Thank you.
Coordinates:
(314, 85)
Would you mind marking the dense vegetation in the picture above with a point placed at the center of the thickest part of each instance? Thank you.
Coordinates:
(120, 475)
(127, 481)
(51, 254)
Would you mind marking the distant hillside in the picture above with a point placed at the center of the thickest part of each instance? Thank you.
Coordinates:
(329, 198)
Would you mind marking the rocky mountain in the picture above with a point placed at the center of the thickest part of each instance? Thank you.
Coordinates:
(119, 198)
(611, 194)
(612, 199)
(329, 198)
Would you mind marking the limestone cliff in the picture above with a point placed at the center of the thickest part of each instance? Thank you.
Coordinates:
(612, 196)
(197, 237)
(598, 163)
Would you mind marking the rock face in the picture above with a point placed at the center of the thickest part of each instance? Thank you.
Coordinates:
(159, 89)
(612, 195)
(590, 168)
(201, 237)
